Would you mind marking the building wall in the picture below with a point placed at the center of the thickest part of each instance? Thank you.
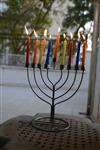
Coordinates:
(94, 85)
(96, 108)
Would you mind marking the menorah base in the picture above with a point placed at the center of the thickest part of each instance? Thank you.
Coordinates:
(45, 124)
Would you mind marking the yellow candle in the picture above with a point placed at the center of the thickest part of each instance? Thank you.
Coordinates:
(63, 50)
(42, 48)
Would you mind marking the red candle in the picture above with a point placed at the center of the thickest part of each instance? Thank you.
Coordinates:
(28, 47)
(70, 49)
(35, 49)
(83, 50)
(56, 45)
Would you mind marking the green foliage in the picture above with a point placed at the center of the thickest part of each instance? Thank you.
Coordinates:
(35, 14)
(79, 13)
(32, 13)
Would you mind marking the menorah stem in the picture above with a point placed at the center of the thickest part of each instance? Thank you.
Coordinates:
(52, 115)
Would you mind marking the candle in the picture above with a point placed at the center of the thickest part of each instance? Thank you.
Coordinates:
(63, 50)
(70, 50)
(48, 52)
(56, 46)
(83, 50)
(43, 43)
(35, 49)
(28, 47)
(78, 51)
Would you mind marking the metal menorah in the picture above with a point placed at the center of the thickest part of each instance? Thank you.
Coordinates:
(53, 123)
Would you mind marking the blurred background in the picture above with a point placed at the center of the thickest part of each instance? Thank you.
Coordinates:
(70, 16)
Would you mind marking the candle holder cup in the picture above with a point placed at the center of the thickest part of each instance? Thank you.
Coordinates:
(53, 123)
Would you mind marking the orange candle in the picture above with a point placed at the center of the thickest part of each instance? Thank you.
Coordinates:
(56, 46)
(35, 49)
(84, 50)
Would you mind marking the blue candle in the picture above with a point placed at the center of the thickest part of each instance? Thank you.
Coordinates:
(78, 52)
(48, 52)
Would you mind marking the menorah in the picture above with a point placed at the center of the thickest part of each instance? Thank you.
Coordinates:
(53, 123)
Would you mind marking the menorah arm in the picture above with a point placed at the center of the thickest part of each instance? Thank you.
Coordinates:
(59, 78)
(38, 85)
(51, 81)
(44, 80)
(73, 93)
(63, 82)
(69, 87)
(49, 78)
(33, 89)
